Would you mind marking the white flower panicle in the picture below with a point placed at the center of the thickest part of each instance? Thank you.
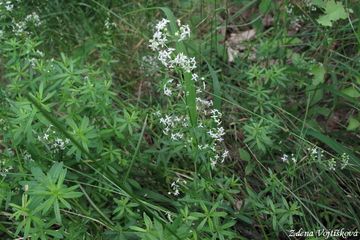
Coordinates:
(159, 39)
(34, 18)
(174, 125)
(54, 142)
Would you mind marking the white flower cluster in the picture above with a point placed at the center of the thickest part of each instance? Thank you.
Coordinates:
(332, 164)
(9, 6)
(184, 32)
(28, 157)
(175, 186)
(209, 119)
(4, 168)
(219, 157)
(20, 28)
(55, 143)
(315, 153)
(344, 160)
(285, 158)
(217, 134)
(160, 37)
(171, 122)
(108, 25)
(310, 5)
(166, 57)
(33, 18)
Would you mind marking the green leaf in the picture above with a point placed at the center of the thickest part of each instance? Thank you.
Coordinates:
(351, 92)
(264, 6)
(57, 211)
(55, 170)
(333, 11)
(244, 155)
(318, 72)
(249, 168)
(319, 3)
(353, 124)
(216, 86)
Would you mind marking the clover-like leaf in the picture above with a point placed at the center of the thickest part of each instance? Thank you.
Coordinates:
(333, 11)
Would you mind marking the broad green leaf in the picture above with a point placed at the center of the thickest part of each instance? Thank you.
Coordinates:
(333, 11)
(318, 72)
(244, 155)
(351, 92)
(353, 124)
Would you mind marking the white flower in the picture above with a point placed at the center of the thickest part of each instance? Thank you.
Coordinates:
(285, 158)
(206, 103)
(224, 155)
(332, 164)
(217, 134)
(175, 187)
(344, 160)
(19, 28)
(34, 18)
(165, 56)
(161, 24)
(177, 136)
(27, 156)
(183, 61)
(46, 136)
(184, 32)
(159, 40)
(167, 91)
(40, 53)
(9, 6)
(194, 77)
(216, 115)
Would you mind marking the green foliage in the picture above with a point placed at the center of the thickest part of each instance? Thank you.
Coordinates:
(101, 138)
(333, 11)
(50, 191)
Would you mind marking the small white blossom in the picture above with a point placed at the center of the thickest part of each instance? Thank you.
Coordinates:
(177, 136)
(332, 164)
(165, 56)
(217, 134)
(194, 77)
(183, 61)
(285, 157)
(162, 24)
(167, 90)
(344, 160)
(34, 18)
(9, 6)
(184, 32)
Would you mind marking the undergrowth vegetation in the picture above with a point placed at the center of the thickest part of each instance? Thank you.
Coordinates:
(187, 119)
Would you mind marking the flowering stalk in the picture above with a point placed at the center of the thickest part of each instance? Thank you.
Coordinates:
(201, 115)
